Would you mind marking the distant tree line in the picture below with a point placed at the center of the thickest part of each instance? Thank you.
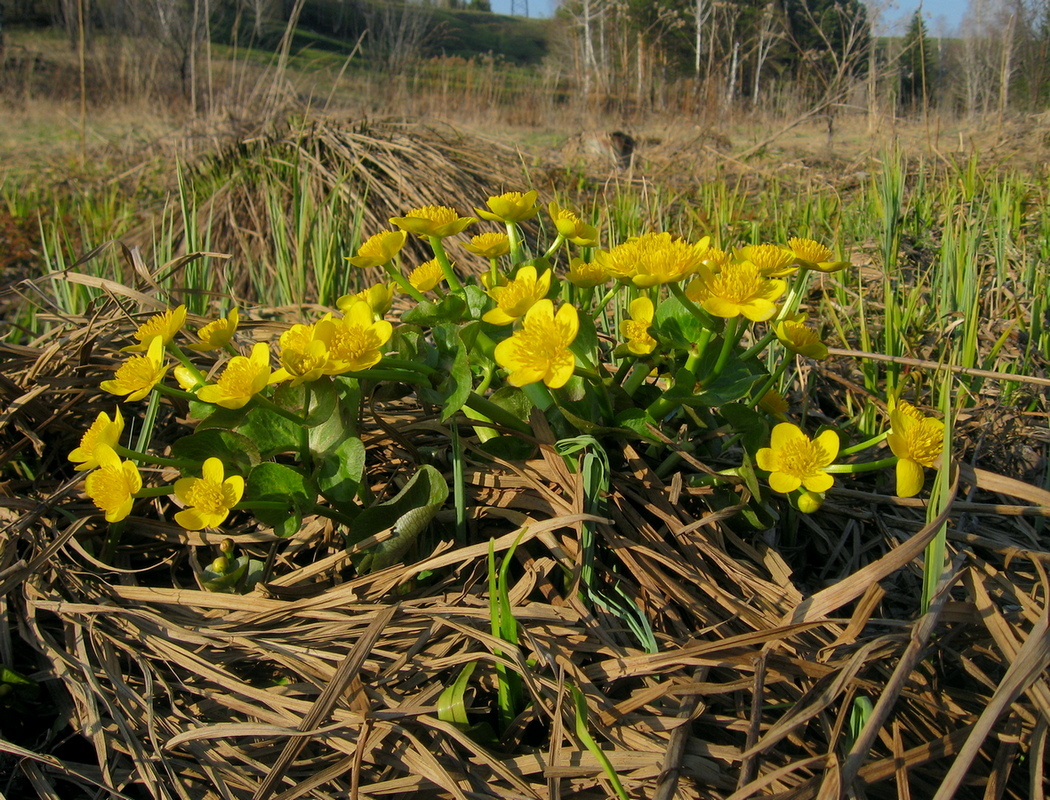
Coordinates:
(727, 54)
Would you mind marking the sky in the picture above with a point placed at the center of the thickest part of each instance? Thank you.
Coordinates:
(942, 16)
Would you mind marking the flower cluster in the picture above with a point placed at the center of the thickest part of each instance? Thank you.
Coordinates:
(654, 332)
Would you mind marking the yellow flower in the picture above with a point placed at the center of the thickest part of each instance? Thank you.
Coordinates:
(517, 296)
(813, 255)
(379, 297)
(112, 486)
(572, 227)
(189, 380)
(797, 338)
(358, 340)
(216, 334)
(489, 245)
(426, 276)
(715, 258)
(209, 498)
(586, 274)
(379, 249)
(164, 325)
(917, 442)
(304, 352)
(242, 379)
(636, 329)
(739, 289)
(772, 260)
(137, 376)
(793, 460)
(654, 258)
(439, 221)
(103, 432)
(540, 350)
(510, 207)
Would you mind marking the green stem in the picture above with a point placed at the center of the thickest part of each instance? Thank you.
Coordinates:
(160, 461)
(278, 505)
(402, 282)
(729, 341)
(609, 295)
(539, 394)
(639, 372)
(171, 391)
(446, 267)
(759, 346)
(517, 255)
(697, 351)
(769, 383)
(459, 493)
(401, 363)
(866, 466)
(176, 351)
(864, 445)
(558, 242)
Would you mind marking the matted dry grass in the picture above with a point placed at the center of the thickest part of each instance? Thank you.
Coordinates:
(325, 684)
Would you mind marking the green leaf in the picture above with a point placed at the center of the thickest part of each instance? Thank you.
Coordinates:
(513, 400)
(427, 313)
(212, 416)
(477, 301)
(752, 426)
(452, 706)
(339, 473)
(278, 483)
(234, 450)
(407, 514)
(675, 324)
(638, 421)
(239, 578)
(271, 432)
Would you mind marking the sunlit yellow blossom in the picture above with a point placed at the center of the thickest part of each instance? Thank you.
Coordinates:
(794, 460)
(378, 249)
(137, 376)
(636, 329)
(439, 221)
(358, 340)
(654, 258)
(813, 255)
(379, 296)
(715, 258)
(189, 380)
(772, 260)
(917, 442)
(540, 350)
(797, 338)
(112, 486)
(426, 276)
(510, 207)
(570, 226)
(586, 274)
(739, 289)
(489, 245)
(304, 352)
(208, 498)
(164, 325)
(516, 297)
(242, 379)
(810, 502)
(103, 432)
(216, 334)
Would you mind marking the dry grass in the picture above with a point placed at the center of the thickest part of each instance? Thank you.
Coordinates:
(324, 684)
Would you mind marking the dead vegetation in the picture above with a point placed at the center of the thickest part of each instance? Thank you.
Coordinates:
(323, 683)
